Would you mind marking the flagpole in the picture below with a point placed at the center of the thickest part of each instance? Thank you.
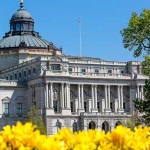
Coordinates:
(80, 34)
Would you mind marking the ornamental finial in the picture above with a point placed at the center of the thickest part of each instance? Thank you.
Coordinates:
(21, 3)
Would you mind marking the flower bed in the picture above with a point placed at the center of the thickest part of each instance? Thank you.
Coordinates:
(25, 137)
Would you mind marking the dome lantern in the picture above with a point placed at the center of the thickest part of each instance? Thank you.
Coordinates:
(21, 21)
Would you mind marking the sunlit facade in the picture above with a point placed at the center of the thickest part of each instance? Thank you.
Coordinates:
(80, 93)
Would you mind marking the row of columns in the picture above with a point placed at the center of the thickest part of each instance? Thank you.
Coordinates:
(65, 96)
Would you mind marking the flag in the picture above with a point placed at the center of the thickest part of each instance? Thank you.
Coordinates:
(79, 20)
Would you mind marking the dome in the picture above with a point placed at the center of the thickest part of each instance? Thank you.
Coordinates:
(21, 14)
(27, 40)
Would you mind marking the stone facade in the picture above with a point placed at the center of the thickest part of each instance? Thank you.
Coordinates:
(80, 93)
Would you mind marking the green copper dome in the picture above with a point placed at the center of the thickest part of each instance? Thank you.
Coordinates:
(22, 33)
(23, 40)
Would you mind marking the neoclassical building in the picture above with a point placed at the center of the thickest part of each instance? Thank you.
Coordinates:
(80, 93)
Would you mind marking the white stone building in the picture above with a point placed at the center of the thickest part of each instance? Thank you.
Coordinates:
(74, 92)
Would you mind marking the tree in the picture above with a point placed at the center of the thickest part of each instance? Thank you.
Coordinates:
(136, 36)
(36, 119)
(132, 121)
(143, 106)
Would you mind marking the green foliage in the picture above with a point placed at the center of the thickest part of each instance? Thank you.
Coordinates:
(36, 119)
(136, 36)
(146, 65)
(143, 106)
(132, 122)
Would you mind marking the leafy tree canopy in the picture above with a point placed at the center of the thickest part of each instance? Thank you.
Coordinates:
(136, 36)
(36, 119)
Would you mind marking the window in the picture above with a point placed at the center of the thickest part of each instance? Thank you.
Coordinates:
(83, 71)
(85, 108)
(55, 67)
(11, 77)
(111, 105)
(24, 73)
(70, 70)
(55, 106)
(34, 70)
(124, 105)
(29, 72)
(11, 27)
(19, 75)
(18, 27)
(96, 71)
(98, 106)
(15, 76)
(6, 108)
(71, 106)
(19, 108)
(121, 71)
(110, 71)
(25, 26)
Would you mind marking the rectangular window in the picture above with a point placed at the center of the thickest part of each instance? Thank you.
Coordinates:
(29, 72)
(85, 107)
(111, 105)
(18, 27)
(20, 75)
(83, 71)
(24, 73)
(124, 105)
(70, 70)
(19, 108)
(15, 76)
(34, 70)
(6, 108)
(110, 71)
(98, 106)
(96, 71)
(121, 71)
(25, 26)
(55, 67)
(71, 106)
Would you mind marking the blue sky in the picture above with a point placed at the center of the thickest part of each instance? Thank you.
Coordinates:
(57, 21)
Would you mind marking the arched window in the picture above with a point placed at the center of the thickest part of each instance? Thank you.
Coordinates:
(105, 126)
(58, 125)
(92, 125)
(118, 123)
(75, 127)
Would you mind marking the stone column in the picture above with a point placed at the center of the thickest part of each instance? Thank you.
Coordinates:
(95, 96)
(47, 95)
(137, 92)
(51, 89)
(142, 93)
(108, 97)
(79, 98)
(92, 90)
(68, 95)
(118, 92)
(66, 110)
(121, 97)
(50, 110)
(62, 95)
(82, 97)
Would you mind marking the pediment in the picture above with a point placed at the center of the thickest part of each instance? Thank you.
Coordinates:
(6, 99)
(56, 58)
